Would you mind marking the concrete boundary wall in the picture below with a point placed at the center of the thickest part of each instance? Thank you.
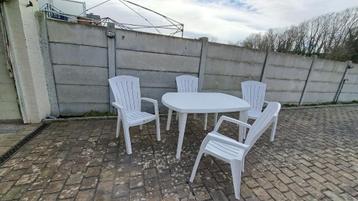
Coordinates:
(83, 57)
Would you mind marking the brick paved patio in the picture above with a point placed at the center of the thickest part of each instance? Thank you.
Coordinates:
(12, 133)
(314, 157)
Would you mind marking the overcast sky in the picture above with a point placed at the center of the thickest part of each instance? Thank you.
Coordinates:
(226, 21)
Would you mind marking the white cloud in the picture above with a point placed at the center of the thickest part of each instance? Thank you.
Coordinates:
(225, 20)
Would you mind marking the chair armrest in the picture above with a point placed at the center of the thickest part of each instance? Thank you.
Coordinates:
(226, 140)
(150, 100)
(155, 103)
(232, 120)
(117, 106)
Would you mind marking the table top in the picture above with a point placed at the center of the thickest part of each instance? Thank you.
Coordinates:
(203, 102)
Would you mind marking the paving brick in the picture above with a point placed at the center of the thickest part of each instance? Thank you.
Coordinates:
(89, 182)
(31, 195)
(14, 193)
(331, 179)
(298, 190)
(290, 195)
(276, 194)
(264, 183)
(284, 178)
(317, 177)
(300, 181)
(49, 197)
(5, 186)
(85, 195)
(74, 179)
(333, 187)
(69, 191)
(261, 193)
(250, 182)
(280, 186)
(55, 186)
(333, 196)
(315, 193)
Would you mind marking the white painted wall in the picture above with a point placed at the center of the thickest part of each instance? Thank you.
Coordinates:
(28, 67)
(8, 104)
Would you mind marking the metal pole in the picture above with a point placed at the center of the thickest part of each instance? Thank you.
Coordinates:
(202, 63)
(341, 83)
(264, 65)
(307, 79)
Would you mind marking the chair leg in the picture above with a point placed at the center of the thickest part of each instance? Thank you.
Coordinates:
(206, 121)
(196, 165)
(215, 118)
(169, 119)
(236, 176)
(273, 131)
(127, 139)
(157, 122)
(195, 116)
(118, 126)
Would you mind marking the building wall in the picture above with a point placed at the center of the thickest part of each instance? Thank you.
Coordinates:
(81, 61)
(8, 100)
(27, 60)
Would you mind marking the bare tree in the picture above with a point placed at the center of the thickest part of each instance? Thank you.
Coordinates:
(325, 36)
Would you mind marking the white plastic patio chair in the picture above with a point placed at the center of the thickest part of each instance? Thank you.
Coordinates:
(232, 151)
(126, 91)
(254, 93)
(186, 83)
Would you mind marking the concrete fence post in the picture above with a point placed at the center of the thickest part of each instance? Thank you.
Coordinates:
(262, 76)
(111, 52)
(49, 71)
(342, 81)
(202, 62)
(307, 79)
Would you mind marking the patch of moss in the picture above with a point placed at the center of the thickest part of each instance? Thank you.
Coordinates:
(324, 103)
(93, 113)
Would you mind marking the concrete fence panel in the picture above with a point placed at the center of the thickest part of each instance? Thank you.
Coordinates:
(324, 81)
(227, 66)
(62, 32)
(127, 59)
(285, 76)
(78, 55)
(145, 42)
(350, 89)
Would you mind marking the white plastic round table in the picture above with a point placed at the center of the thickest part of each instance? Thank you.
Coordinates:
(203, 102)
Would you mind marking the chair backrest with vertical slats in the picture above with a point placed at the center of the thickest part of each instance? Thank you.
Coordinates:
(126, 91)
(262, 123)
(254, 93)
(187, 83)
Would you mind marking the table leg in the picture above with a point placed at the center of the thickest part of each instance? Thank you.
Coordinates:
(182, 124)
(169, 119)
(242, 130)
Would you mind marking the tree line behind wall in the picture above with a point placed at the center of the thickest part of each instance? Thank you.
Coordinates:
(331, 36)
